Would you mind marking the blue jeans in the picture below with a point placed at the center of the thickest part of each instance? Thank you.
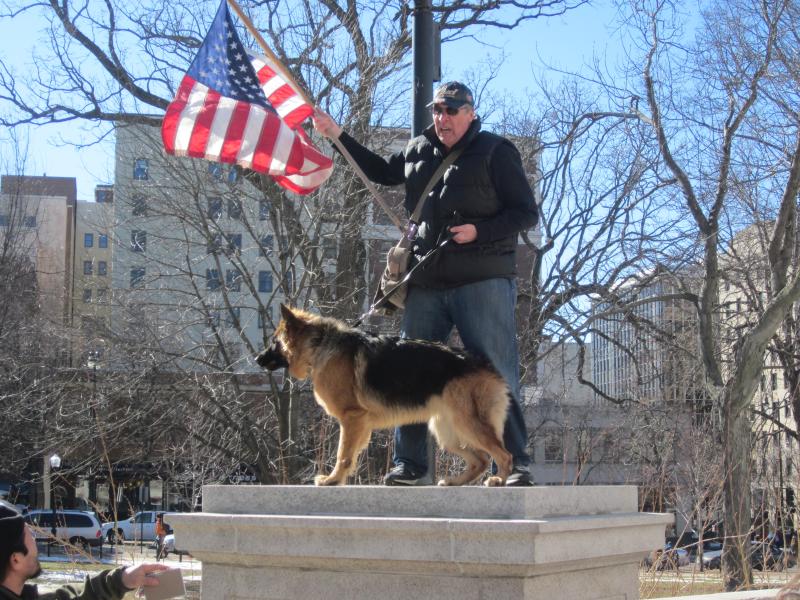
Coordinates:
(483, 313)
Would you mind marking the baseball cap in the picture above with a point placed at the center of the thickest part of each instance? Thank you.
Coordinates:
(454, 94)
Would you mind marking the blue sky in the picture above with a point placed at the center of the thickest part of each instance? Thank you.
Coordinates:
(566, 42)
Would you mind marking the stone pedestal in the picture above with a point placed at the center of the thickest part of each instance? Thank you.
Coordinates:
(468, 543)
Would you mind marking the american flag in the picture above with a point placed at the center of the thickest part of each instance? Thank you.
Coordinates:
(232, 107)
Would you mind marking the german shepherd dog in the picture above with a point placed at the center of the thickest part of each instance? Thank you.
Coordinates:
(372, 382)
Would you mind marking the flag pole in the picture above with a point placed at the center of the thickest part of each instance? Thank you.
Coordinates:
(287, 76)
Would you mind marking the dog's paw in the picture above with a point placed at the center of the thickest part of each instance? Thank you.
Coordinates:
(493, 481)
(444, 483)
(326, 480)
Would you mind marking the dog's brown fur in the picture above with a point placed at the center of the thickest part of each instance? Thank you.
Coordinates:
(348, 369)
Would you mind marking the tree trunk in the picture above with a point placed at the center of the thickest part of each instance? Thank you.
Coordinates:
(737, 571)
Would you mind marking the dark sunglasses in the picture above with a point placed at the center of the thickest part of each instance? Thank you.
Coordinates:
(438, 110)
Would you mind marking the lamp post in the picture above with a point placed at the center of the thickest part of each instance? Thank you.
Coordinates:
(91, 362)
(55, 463)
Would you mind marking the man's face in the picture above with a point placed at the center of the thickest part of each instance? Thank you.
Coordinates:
(451, 127)
(30, 561)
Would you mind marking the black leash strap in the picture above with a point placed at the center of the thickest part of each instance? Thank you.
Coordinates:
(385, 298)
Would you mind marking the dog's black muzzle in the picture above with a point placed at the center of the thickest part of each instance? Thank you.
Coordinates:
(272, 358)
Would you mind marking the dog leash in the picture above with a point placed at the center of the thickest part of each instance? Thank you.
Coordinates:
(385, 298)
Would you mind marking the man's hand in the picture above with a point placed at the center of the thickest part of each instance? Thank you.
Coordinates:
(325, 125)
(140, 576)
(464, 234)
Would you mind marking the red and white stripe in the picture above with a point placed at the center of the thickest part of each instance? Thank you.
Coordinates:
(201, 123)
(283, 97)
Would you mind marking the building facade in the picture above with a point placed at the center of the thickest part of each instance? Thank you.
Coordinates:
(92, 272)
(39, 213)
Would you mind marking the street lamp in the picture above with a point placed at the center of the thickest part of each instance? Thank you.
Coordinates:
(55, 464)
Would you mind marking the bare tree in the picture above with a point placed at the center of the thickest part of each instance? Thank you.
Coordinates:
(706, 126)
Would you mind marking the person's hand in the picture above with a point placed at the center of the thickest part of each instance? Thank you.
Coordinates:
(140, 576)
(464, 234)
(325, 125)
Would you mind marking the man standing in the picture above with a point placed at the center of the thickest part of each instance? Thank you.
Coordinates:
(19, 562)
(483, 200)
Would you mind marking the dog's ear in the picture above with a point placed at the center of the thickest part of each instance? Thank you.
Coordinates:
(291, 320)
(286, 312)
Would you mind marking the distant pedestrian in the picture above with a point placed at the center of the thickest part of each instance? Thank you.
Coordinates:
(161, 533)
(19, 562)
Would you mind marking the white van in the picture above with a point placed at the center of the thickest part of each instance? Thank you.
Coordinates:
(78, 527)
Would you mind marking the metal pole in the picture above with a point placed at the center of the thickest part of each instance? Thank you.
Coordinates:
(53, 531)
(422, 94)
(423, 51)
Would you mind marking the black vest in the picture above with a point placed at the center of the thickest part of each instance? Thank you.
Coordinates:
(467, 189)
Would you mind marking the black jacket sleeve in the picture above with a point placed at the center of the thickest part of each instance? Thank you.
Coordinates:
(519, 211)
(106, 585)
(386, 171)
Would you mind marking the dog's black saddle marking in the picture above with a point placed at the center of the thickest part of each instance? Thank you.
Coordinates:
(407, 372)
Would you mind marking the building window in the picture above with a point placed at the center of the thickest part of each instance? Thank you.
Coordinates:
(265, 281)
(214, 243)
(87, 267)
(102, 268)
(213, 282)
(215, 170)
(554, 447)
(213, 318)
(267, 242)
(88, 240)
(141, 168)
(235, 209)
(102, 241)
(234, 243)
(233, 280)
(3, 220)
(139, 206)
(138, 240)
(232, 317)
(263, 210)
(328, 247)
(214, 208)
(137, 277)
(265, 317)
(29, 221)
(103, 195)
(102, 294)
(87, 294)
(233, 175)
(773, 381)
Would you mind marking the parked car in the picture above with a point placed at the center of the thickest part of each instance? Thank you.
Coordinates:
(712, 559)
(765, 556)
(20, 508)
(667, 557)
(690, 541)
(762, 557)
(141, 526)
(78, 527)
